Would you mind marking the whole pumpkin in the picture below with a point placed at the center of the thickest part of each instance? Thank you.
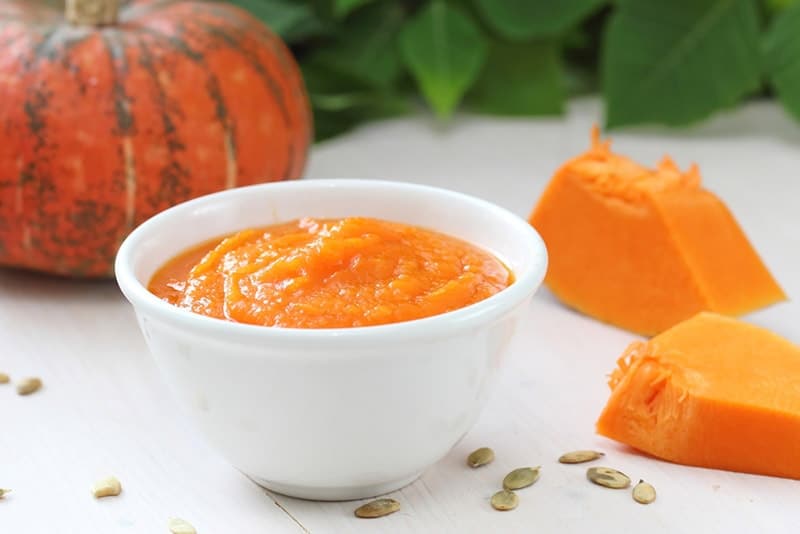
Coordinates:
(111, 111)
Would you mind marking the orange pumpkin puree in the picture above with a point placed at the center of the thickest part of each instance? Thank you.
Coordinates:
(339, 273)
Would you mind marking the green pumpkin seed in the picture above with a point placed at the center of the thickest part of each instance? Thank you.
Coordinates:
(521, 478)
(608, 478)
(644, 493)
(579, 457)
(377, 508)
(480, 457)
(3, 492)
(504, 500)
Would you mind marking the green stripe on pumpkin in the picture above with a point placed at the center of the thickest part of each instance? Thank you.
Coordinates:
(115, 45)
(174, 177)
(212, 84)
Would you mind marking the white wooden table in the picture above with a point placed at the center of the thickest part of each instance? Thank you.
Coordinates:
(104, 409)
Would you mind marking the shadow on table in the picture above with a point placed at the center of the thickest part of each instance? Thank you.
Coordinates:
(25, 285)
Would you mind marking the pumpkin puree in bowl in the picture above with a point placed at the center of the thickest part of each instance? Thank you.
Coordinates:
(330, 273)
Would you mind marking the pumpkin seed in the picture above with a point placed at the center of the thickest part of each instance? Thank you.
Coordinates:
(179, 526)
(3, 492)
(29, 385)
(521, 478)
(4, 378)
(579, 457)
(504, 500)
(377, 508)
(480, 457)
(108, 487)
(644, 493)
(607, 477)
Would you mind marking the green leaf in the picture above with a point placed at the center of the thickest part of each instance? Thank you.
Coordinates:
(330, 123)
(777, 6)
(520, 79)
(678, 61)
(782, 58)
(367, 48)
(341, 102)
(336, 114)
(320, 78)
(527, 19)
(291, 20)
(445, 51)
(341, 8)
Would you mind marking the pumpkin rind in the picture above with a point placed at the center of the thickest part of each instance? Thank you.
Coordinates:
(102, 127)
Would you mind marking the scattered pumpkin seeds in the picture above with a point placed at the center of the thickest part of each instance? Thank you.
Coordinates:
(107, 487)
(4, 378)
(29, 385)
(3, 492)
(521, 478)
(579, 457)
(644, 493)
(179, 526)
(377, 508)
(504, 500)
(480, 457)
(608, 477)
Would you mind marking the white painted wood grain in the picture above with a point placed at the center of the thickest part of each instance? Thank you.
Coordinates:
(104, 410)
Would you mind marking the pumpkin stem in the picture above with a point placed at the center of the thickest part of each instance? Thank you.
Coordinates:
(92, 12)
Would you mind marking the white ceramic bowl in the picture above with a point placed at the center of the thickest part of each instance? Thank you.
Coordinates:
(332, 414)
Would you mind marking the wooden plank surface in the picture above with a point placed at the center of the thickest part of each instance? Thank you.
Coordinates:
(104, 409)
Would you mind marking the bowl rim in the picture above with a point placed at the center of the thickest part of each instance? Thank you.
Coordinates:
(481, 312)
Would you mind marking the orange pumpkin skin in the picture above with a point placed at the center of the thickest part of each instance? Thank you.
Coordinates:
(102, 127)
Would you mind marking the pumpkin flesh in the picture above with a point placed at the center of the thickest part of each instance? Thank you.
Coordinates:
(712, 392)
(643, 248)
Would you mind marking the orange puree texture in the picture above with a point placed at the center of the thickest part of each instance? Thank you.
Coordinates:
(330, 274)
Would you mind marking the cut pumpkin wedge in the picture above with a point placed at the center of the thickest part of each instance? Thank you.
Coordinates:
(713, 392)
(645, 248)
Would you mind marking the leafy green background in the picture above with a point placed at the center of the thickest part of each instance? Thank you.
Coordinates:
(671, 62)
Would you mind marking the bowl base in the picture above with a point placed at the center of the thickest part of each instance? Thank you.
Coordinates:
(336, 493)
